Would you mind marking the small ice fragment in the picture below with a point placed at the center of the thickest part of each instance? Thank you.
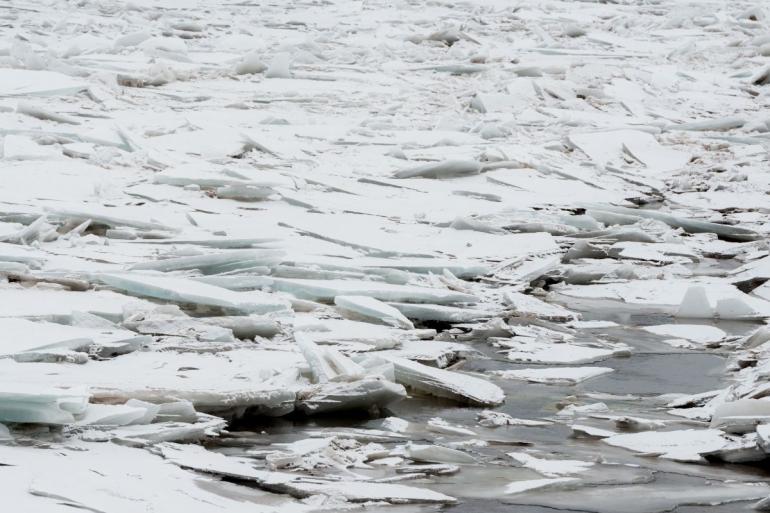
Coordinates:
(112, 415)
(763, 436)
(395, 424)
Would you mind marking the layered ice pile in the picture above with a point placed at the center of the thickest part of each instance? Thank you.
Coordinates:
(307, 256)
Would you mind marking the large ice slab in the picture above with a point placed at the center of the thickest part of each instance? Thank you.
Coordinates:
(182, 290)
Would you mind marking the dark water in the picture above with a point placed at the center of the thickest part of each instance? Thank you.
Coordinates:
(629, 483)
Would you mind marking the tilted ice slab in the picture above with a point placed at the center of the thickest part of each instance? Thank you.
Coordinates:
(194, 175)
(114, 218)
(20, 335)
(756, 270)
(340, 383)
(368, 307)
(327, 290)
(61, 304)
(364, 393)
(24, 82)
(30, 257)
(551, 467)
(447, 384)
(183, 290)
(37, 402)
(445, 169)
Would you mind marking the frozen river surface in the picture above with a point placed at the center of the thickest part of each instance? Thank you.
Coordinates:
(400, 256)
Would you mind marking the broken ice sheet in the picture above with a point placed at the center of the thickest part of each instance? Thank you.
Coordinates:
(525, 349)
(343, 186)
(605, 147)
(555, 375)
(685, 445)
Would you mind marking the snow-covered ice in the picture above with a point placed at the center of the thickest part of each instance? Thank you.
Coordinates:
(317, 256)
